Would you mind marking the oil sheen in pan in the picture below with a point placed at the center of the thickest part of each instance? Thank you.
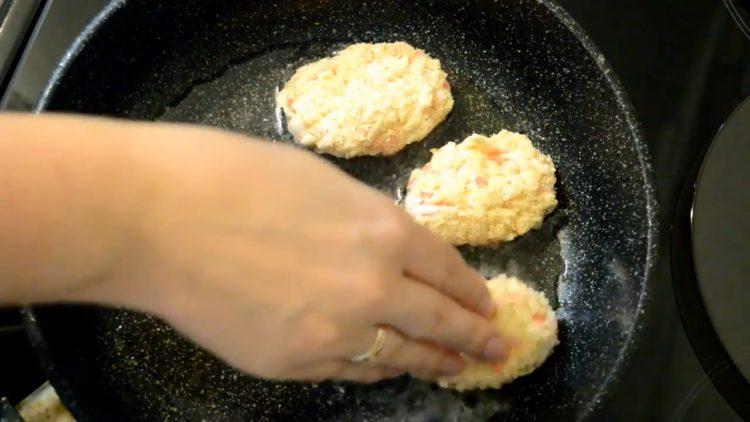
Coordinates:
(242, 100)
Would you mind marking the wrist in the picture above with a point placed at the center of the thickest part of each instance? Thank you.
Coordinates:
(72, 194)
(129, 202)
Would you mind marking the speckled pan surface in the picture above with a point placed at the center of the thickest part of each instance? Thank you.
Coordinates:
(522, 65)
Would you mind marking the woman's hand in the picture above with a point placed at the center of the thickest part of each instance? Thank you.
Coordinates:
(284, 266)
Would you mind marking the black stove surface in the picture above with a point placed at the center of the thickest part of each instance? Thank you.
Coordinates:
(685, 65)
(686, 69)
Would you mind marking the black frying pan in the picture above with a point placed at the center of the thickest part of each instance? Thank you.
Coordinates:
(523, 65)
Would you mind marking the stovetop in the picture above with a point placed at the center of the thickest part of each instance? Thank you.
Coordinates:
(685, 65)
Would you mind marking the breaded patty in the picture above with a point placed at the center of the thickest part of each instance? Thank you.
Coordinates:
(527, 323)
(369, 99)
(483, 190)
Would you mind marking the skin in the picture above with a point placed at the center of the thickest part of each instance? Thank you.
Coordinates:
(265, 255)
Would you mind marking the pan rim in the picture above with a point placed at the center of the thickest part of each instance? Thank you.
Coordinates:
(621, 98)
(649, 184)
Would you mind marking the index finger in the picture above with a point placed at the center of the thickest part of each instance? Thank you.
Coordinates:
(423, 313)
(432, 261)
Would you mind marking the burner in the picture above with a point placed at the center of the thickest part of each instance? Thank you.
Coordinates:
(721, 236)
(711, 283)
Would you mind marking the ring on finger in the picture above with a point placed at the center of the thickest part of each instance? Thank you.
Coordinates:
(371, 354)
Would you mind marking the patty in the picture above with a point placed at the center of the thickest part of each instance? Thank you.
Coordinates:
(369, 99)
(484, 190)
(526, 322)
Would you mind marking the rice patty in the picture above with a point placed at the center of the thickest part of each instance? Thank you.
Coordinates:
(526, 322)
(369, 99)
(483, 190)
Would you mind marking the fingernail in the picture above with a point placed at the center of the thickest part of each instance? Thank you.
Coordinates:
(453, 366)
(488, 308)
(494, 350)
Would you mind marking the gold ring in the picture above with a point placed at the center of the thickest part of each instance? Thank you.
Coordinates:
(374, 350)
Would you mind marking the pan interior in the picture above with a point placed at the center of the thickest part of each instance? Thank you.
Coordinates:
(512, 65)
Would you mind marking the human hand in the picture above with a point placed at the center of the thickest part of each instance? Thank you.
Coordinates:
(285, 267)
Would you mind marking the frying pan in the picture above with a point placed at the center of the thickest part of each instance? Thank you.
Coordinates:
(523, 65)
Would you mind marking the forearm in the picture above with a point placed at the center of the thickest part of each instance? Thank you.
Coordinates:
(70, 198)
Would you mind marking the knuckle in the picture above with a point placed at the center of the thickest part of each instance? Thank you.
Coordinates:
(317, 334)
(390, 229)
(439, 321)
(451, 277)
(476, 287)
(481, 337)
(450, 272)
(356, 234)
(477, 295)
(458, 268)
(325, 339)
(433, 324)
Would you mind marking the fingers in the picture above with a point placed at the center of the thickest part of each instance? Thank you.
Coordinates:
(438, 264)
(423, 313)
(344, 370)
(406, 355)
(367, 373)
(318, 372)
(418, 358)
